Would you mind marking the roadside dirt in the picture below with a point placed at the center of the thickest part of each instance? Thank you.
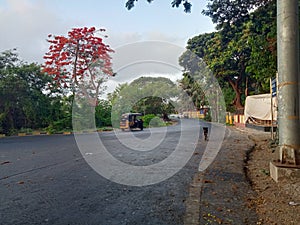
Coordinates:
(275, 203)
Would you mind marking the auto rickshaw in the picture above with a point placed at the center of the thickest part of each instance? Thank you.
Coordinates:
(131, 121)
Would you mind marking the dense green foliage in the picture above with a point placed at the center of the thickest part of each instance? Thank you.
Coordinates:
(241, 55)
(103, 113)
(151, 120)
(22, 102)
(26, 102)
(148, 95)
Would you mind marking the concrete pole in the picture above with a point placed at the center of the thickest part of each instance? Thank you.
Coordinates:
(288, 81)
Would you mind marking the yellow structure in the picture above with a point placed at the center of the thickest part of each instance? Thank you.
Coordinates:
(229, 119)
(193, 114)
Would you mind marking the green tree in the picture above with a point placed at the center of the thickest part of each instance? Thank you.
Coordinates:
(262, 63)
(60, 113)
(196, 78)
(23, 103)
(221, 11)
(226, 56)
(157, 93)
(154, 105)
(175, 3)
(145, 94)
(224, 13)
(241, 55)
(103, 113)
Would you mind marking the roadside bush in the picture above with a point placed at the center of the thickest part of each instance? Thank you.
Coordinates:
(147, 118)
(156, 122)
(152, 120)
(60, 125)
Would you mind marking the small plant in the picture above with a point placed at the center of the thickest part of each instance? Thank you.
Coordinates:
(265, 172)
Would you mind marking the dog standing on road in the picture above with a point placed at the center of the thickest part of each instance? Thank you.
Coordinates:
(205, 133)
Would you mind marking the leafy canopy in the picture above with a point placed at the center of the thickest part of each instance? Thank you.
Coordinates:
(175, 3)
(222, 12)
(23, 101)
(79, 59)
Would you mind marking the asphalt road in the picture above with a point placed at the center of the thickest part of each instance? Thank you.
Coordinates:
(47, 180)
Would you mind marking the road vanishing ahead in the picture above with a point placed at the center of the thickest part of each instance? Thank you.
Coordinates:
(46, 180)
(49, 180)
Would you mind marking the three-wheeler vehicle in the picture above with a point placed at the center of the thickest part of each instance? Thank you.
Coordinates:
(130, 121)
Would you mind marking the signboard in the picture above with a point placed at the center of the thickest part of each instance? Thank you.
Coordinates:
(273, 88)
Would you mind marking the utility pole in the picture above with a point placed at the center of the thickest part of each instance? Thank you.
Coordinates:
(288, 84)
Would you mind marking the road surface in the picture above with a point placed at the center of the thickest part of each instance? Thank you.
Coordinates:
(46, 180)
(55, 179)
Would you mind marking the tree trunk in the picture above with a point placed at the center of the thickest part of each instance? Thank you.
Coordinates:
(237, 100)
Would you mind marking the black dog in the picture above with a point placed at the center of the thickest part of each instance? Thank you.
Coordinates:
(205, 132)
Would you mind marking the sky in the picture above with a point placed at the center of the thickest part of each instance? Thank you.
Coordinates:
(134, 34)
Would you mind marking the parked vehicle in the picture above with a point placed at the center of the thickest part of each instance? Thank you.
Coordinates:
(131, 121)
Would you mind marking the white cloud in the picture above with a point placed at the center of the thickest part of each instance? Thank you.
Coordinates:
(117, 39)
(145, 58)
(25, 26)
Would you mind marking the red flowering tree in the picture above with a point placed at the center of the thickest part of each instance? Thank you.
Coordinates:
(80, 61)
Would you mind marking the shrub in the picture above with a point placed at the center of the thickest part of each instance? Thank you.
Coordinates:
(147, 118)
(152, 120)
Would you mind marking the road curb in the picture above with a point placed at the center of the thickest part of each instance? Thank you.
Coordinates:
(193, 201)
(224, 187)
(36, 133)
